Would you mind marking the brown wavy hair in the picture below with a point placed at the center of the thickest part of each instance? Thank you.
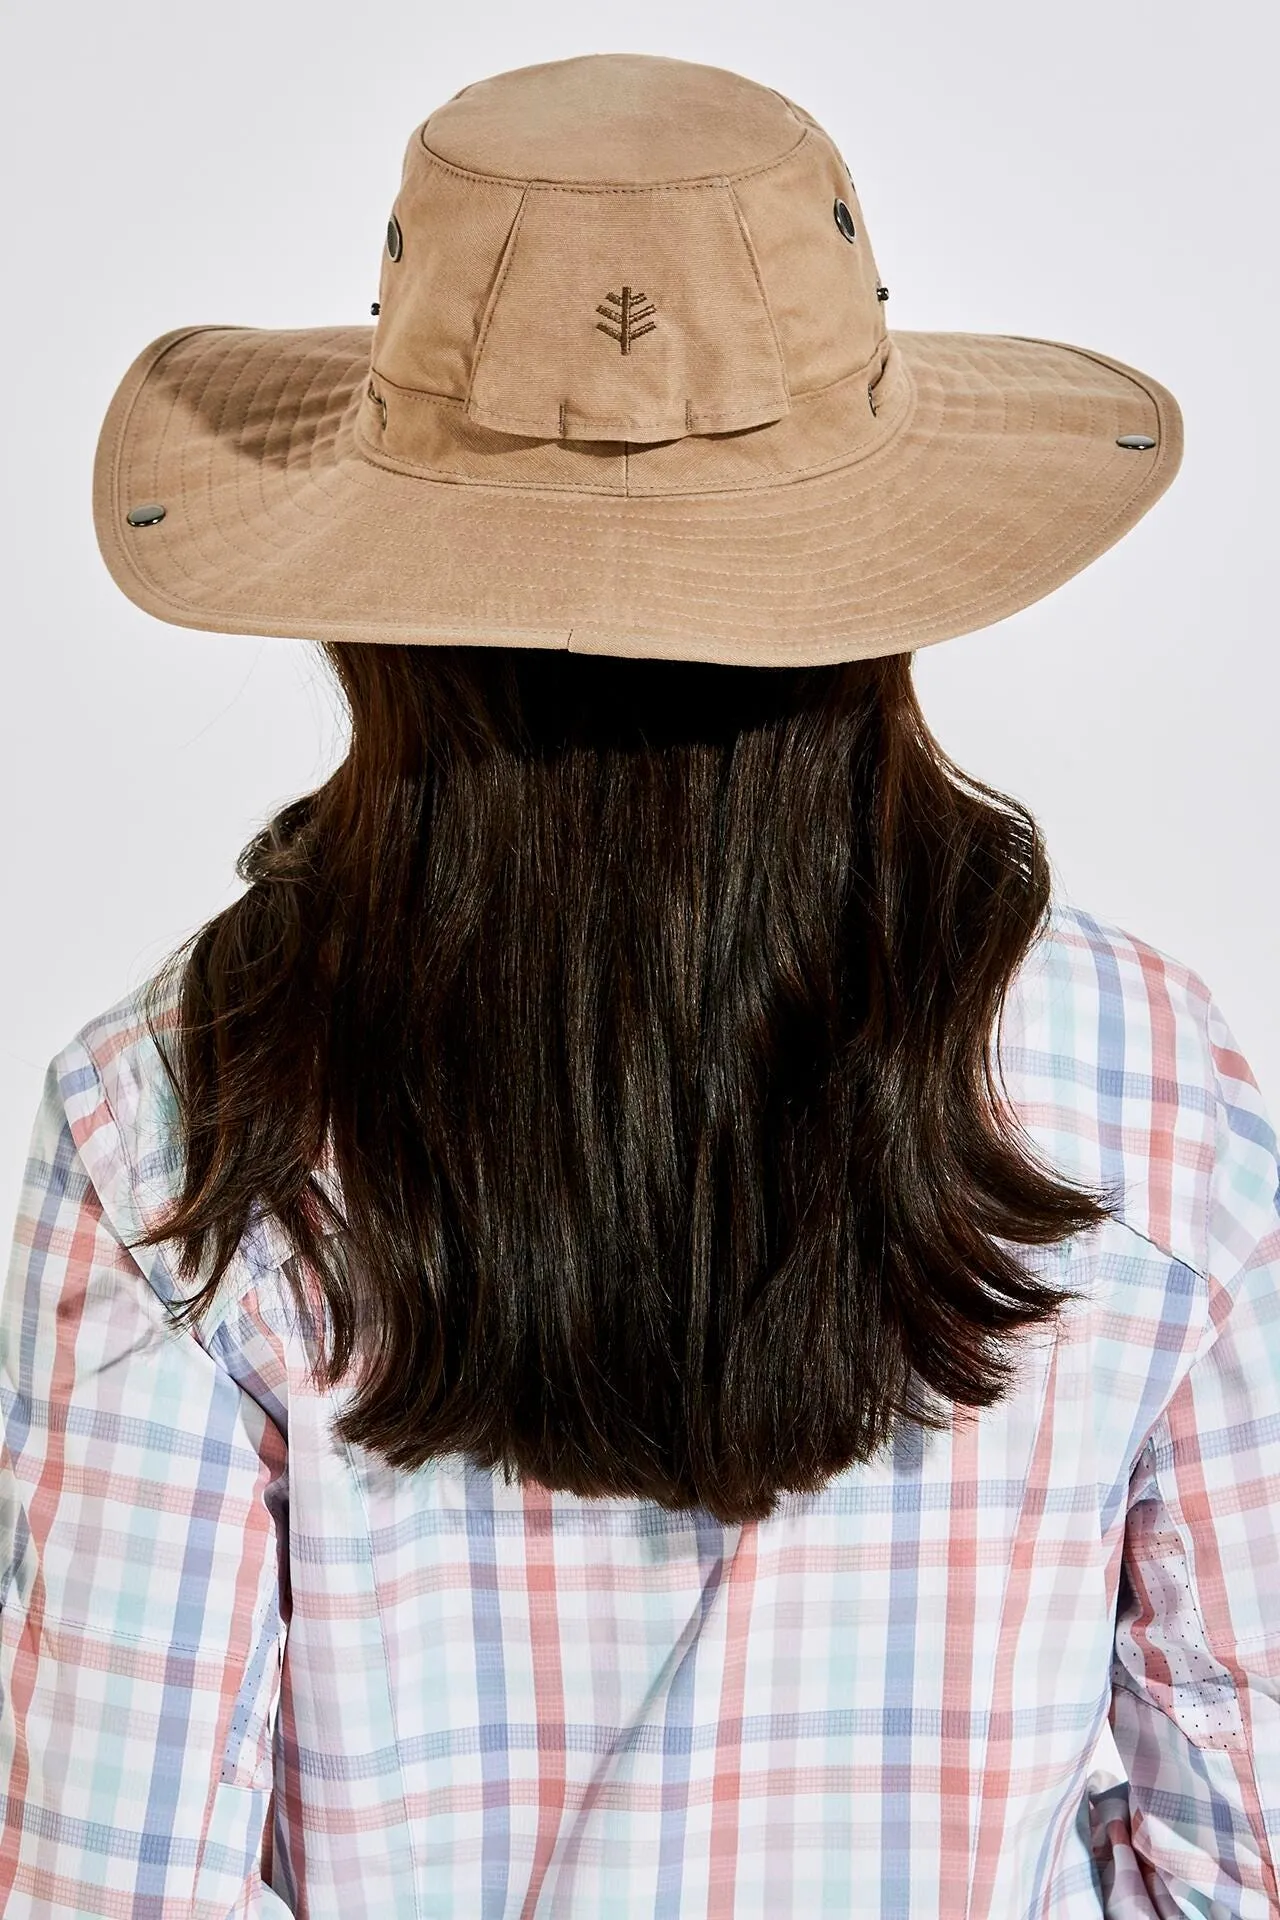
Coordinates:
(648, 1012)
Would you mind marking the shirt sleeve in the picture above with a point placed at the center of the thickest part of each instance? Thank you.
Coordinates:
(141, 1638)
(1195, 1828)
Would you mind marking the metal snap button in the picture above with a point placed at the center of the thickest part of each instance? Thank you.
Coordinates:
(844, 220)
(1138, 441)
(145, 516)
(395, 239)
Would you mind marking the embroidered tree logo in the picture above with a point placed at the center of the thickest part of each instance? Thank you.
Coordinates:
(622, 315)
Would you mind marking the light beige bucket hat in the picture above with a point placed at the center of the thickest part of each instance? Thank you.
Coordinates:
(630, 391)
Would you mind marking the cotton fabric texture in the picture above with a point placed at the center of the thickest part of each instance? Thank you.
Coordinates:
(245, 1670)
(631, 390)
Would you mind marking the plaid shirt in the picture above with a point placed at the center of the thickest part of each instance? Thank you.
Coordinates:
(245, 1670)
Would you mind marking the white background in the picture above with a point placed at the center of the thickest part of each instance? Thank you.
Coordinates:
(1101, 175)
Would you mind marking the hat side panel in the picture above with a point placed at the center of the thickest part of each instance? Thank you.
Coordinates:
(821, 288)
(455, 227)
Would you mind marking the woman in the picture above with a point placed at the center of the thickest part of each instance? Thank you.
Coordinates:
(647, 1324)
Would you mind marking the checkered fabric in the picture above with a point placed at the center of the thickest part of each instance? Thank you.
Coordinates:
(245, 1670)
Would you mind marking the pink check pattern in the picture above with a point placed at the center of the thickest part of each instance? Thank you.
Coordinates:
(247, 1671)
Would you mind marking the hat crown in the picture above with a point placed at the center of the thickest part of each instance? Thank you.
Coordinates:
(601, 118)
(619, 248)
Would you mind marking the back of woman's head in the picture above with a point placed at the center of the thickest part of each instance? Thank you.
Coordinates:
(645, 1013)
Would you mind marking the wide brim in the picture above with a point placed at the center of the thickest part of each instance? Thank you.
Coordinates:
(1002, 480)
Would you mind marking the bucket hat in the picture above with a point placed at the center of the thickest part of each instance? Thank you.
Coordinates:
(630, 389)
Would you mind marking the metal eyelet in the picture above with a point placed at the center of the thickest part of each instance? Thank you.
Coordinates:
(145, 516)
(395, 239)
(1139, 442)
(844, 220)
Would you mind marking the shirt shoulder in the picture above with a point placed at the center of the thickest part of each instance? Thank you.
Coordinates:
(119, 1100)
(1124, 1072)
(122, 1110)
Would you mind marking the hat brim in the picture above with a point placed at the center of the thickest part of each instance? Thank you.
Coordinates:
(1002, 481)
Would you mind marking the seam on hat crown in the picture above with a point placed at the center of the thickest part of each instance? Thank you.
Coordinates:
(617, 186)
